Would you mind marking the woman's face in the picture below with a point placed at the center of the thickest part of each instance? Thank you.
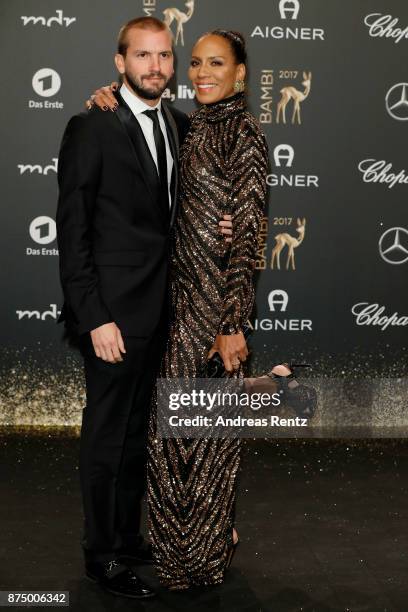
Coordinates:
(213, 69)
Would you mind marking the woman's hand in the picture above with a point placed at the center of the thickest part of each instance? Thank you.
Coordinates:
(226, 227)
(232, 350)
(104, 98)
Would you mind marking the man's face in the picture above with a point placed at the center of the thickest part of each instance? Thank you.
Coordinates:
(148, 64)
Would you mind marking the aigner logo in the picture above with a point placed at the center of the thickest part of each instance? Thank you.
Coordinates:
(39, 169)
(283, 155)
(278, 297)
(382, 26)
(288, 10)
(278, 300)
(43, 21)
(174, 14)
(53, 313)
(396, 101)
(393, 245)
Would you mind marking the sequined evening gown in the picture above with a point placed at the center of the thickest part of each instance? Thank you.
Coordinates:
(191, 483)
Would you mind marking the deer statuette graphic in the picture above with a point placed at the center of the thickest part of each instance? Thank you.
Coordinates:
(171, 14)
(291, 242)
(291, 92)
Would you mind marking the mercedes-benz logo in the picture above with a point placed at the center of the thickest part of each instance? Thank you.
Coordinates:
(391, 246)
(396, 101)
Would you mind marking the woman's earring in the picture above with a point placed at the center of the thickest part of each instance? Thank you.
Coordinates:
(239, 86)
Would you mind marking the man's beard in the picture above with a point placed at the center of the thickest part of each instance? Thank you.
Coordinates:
(148, 93)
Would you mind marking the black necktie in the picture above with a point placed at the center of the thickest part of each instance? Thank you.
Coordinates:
(161, 154)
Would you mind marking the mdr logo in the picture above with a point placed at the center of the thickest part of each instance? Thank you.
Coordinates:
(46, 83)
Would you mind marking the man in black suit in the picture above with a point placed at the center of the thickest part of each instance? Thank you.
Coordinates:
(118, 182)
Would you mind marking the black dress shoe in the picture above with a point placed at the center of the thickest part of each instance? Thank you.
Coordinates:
(118, 579)
(142, 555)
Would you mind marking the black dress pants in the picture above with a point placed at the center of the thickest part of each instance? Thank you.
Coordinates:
(113, 445)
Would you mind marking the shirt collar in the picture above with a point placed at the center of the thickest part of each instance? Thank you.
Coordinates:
(135, 103)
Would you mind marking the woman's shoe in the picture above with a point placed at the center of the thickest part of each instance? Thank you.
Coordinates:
(301, 398)
(231, 552)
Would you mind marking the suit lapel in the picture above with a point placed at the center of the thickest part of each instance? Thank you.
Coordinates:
(173, 137)
(140, 149)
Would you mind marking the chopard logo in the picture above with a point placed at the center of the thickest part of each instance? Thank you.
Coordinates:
(378, 171)
(43, 21)
(52, 313)
(372, 314)
(39, 169)
(384, 26)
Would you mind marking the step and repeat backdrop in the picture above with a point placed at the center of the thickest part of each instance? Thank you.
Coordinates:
(328, 81)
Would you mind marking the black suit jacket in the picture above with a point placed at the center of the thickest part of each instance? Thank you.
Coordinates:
(113, 234)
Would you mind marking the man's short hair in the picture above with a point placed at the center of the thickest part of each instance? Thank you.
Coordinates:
(144, 23)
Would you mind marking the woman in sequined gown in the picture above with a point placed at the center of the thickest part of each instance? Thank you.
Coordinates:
(223, 164)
